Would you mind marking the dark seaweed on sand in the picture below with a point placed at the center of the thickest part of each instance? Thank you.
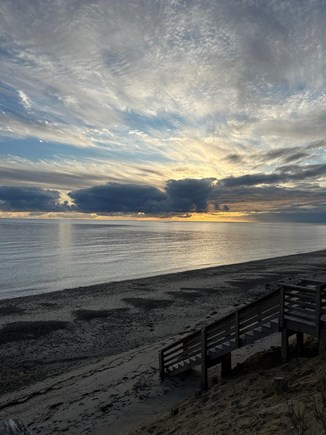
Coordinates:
(87, 315)
(17, 331)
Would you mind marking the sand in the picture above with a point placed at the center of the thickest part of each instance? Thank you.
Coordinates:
(85, 360)
(248, 402)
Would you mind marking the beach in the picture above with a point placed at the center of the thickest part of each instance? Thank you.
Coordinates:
(85, 360)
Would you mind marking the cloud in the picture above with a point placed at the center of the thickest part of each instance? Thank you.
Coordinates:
(270, 195)
(114, 197)
(282, 175)
(178, 196)
(234, 158)
(14, 199)
(303, 214)
(165, 90)
(189, 194)
(192, 78)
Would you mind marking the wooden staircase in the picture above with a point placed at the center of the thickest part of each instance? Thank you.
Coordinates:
(291, 309)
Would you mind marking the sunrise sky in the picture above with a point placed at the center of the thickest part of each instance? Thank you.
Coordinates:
(208, 109)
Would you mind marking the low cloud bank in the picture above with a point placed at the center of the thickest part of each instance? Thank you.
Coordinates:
(267, 196)
(30, 199)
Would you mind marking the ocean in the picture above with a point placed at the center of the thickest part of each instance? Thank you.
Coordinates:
(39, 256)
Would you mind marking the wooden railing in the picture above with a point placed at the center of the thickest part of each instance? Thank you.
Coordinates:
(220, 337)
(302, 306)
(299, 309)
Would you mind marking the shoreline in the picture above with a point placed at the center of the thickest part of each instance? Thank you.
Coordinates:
(85, 359)
(168, 275)
(172, 274)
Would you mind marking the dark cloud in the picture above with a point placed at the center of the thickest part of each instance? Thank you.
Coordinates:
(297, 172)
(296, 156)
(189, 194)
(114, 197)
(247, 193)
(282, 175)
(233, 158)
(287, 154)
(269, 195)
(250, 180)
(179, 196)
(29, 199)
(313, 215)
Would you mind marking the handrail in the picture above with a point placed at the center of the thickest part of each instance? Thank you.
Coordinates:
(265, 315)
(180, 341)
(215, 334)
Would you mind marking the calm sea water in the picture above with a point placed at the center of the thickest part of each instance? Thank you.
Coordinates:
(41, 256)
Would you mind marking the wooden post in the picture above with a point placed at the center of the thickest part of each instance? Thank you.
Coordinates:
(322, 341)
(322, 336)
(285, 345)
(282, 303)
(299, 349)
(161, 363)
(237, 329)
(226, 366)
(204, 369)
(318, 309)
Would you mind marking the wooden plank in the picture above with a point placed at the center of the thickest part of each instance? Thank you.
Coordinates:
(318, 310)
(237, 329)
(218, 353)
(217, 327)
(259, 317)
(300, 327)
(180, 345)
(304, 311)
(267, 319)
(181, 356)
(299, 303)
(223, 345)
(298, 287)
(282, 303)
(258, 312)
(322, 341)
(180, 341)
(258, 308)
(161, 362)
(186, 348)
(186, 367)
(222, 321)
(219, 342)
(312, 281)
(221, 335)
(301, 314)
(301, 296)
(224, 331)
(204, 368)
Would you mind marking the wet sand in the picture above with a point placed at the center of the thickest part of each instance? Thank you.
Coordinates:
(84, 360)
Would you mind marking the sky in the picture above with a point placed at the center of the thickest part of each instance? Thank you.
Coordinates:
(203, 109)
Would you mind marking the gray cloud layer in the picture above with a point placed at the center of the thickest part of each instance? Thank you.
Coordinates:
(268, 196)
(29, 199)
